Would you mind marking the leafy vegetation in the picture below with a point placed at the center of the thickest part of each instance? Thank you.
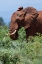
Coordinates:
(18, 51)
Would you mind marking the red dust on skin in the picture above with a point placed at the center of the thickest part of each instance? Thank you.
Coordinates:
(29, 18)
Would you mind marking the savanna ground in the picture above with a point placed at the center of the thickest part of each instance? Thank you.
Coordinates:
(18, 51)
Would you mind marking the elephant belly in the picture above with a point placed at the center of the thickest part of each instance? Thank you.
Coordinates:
(39, 29)
(39, 22)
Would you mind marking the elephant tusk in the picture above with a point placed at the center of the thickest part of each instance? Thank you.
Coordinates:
(11, 33)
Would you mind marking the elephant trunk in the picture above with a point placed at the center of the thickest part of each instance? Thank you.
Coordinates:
(13, 30)
(13, 34)
(13, 37)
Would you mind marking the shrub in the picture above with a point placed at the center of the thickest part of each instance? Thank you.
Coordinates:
(18, 51)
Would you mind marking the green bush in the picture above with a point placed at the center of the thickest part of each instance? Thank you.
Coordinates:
(18, 51)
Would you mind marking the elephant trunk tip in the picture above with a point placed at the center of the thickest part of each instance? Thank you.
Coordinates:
(13, 37)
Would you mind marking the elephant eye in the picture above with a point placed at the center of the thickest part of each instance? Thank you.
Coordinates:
(17, 14)
(33, 14)
(20, 15)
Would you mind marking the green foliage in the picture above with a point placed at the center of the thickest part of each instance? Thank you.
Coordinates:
(18, 51)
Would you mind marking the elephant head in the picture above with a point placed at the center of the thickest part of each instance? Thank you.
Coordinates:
(22, 18)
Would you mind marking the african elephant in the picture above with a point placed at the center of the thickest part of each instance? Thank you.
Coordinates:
(29, 18)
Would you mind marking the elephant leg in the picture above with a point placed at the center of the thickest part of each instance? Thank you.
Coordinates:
(30, 32)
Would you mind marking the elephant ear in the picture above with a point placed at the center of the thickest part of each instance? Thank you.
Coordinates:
(31, 15)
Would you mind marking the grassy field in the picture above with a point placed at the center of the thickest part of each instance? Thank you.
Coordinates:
(18, 51)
